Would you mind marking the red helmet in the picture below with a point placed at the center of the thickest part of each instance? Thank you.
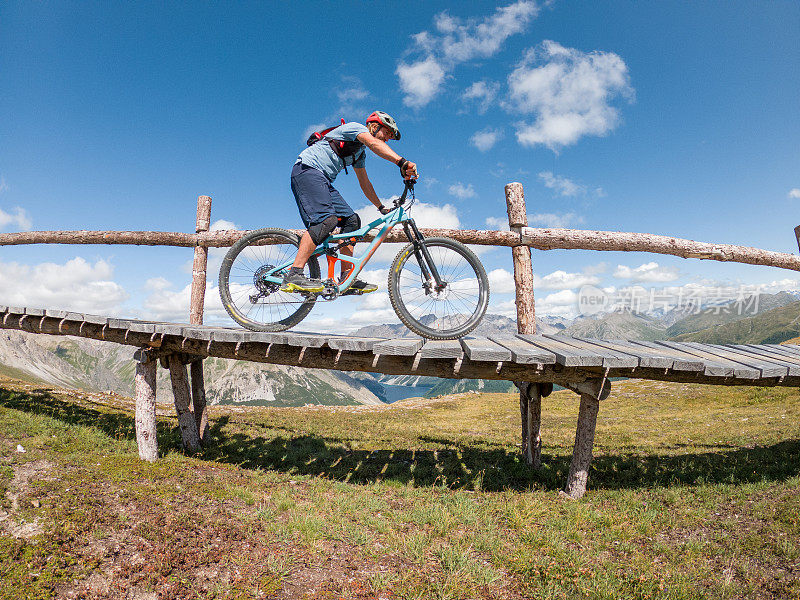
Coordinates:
(386, 120)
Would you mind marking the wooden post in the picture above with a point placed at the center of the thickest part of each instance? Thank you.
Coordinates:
(145, 386)
(186, 418)
(530, 397)
(199, 401)
(523, 268)
(582, 452)
(196, 316)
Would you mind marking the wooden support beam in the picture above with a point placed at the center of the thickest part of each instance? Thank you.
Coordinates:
(196, 306)
(530, 397)
(199, 401)
(180, 389)
(145, 392)
(582, 451)
(592, 392)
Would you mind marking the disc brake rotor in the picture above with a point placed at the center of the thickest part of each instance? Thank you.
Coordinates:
(264, 286)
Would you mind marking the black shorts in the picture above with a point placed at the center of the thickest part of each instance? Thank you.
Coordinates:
(316, 198)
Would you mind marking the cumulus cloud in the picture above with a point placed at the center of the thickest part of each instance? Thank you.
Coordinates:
(485, 139)
(501, 281)
(481, 94)
(222, 225)
(559, 304)
(497, 223)
(74, 285)
(651, 272)
(568, 93)
(459, 190)
(166, 304)
(17, 217)
(794, 193)
(561, 280)
(456, 41)
(562, 185)
(420, 81)
(350, 93)
(553, 221)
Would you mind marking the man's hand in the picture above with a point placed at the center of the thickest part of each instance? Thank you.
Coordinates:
(408, 169)
(384, 210)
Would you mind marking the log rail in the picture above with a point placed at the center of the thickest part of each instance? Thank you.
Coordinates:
(541, 239)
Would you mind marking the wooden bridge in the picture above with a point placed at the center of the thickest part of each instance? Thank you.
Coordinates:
(533, 362)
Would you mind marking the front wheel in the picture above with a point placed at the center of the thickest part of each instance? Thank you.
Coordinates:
(445, 312)
(247, 283)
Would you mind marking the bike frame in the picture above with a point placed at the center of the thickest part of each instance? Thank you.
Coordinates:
(329, 248)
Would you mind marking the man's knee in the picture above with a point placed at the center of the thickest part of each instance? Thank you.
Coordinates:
(351, 223)
(323, 229)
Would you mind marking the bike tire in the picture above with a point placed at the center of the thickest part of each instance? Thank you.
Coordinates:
(243, 260)
(407, 294)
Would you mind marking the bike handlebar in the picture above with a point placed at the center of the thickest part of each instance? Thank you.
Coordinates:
(409, 186)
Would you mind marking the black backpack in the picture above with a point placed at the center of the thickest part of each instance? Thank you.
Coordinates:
(342, 148)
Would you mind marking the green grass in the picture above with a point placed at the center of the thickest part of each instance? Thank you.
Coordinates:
(693, 493)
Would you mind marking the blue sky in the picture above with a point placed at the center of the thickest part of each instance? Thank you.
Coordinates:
(669, 118)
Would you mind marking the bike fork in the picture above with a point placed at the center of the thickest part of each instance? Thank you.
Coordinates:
(426, 264)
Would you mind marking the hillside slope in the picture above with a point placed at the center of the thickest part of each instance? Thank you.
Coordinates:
(93, 365)
(772, 327)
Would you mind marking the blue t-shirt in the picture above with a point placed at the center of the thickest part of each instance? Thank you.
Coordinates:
(321, 156)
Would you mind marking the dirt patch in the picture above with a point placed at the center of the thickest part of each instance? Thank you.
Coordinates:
(17, 492)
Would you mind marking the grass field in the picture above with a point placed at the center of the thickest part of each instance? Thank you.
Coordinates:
(693, 493)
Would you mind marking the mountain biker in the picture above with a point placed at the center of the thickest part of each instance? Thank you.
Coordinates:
(321, 206)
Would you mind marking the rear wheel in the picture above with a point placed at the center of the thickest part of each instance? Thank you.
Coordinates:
(249, 297)
(447, 313)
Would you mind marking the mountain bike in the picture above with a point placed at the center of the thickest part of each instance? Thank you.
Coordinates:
(437, 286)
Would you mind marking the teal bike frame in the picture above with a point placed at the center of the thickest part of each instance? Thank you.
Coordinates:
(330, 246)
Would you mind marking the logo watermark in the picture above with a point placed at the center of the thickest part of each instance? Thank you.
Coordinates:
(740, 300)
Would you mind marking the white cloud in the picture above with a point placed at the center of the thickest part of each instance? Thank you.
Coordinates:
(464, 40)
(562, 185)
(17, 217)
(165, 304)
(461, 191)
(497, 223)
(553, 221)
(600, 267)
(75, 285)
(568, 92)
(157, 283)
(794, 193)
(481, 94)
(456, 41)
(222, 225)
(560, 304)
(351, 93)
(420, 81)
(561, 280)
(652, 272)
(485, 139)
(501, 281)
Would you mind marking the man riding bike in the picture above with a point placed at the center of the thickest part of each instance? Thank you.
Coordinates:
(321, 206)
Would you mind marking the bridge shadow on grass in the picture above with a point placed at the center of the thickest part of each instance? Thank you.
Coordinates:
(458, 466)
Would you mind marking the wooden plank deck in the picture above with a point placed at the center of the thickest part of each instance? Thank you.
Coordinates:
(544, 358)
